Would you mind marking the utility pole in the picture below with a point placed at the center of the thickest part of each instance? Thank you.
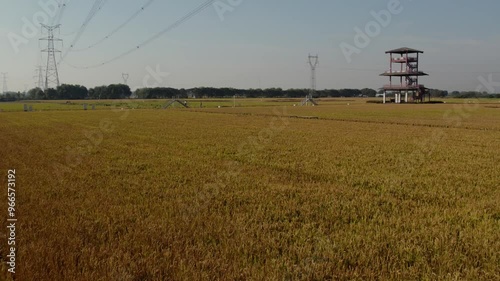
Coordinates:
(125, 77)
(5, 89)
(51, 73)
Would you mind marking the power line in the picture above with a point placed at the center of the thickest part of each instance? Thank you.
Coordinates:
(96, 7)
(62, 7)
(151, 39)
(114, 31)
(93, 10)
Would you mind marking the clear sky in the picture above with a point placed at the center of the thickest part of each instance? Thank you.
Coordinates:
(257, 43)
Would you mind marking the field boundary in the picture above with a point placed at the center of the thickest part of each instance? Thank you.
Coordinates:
(318, 118)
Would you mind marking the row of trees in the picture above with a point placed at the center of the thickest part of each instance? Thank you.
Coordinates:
(473, 94)
(77, 92)
(115, 91)
(67, 92)
(11, 97)
(120, 91)
(206, 92)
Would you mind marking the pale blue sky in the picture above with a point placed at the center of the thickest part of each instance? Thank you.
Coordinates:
(262, 43)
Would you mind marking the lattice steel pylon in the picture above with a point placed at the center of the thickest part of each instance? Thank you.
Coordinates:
(39, 76)
(313, 62)
(51, 73)
(5, 89)
(125, 77)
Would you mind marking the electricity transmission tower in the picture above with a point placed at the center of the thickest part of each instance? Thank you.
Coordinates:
(125, 77)
(313, 62)
(51, 74)
(39, 75)
(5, 89)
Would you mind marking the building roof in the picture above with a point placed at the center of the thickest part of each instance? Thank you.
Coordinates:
(404, 50)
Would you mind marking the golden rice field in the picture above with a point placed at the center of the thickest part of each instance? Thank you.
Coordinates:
(342, 191)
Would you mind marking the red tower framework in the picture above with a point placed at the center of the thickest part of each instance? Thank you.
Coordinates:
(404, 75)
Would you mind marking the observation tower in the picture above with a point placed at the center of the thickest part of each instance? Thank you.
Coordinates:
(404, 74)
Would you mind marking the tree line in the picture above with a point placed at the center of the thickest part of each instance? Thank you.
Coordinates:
(120, 91)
